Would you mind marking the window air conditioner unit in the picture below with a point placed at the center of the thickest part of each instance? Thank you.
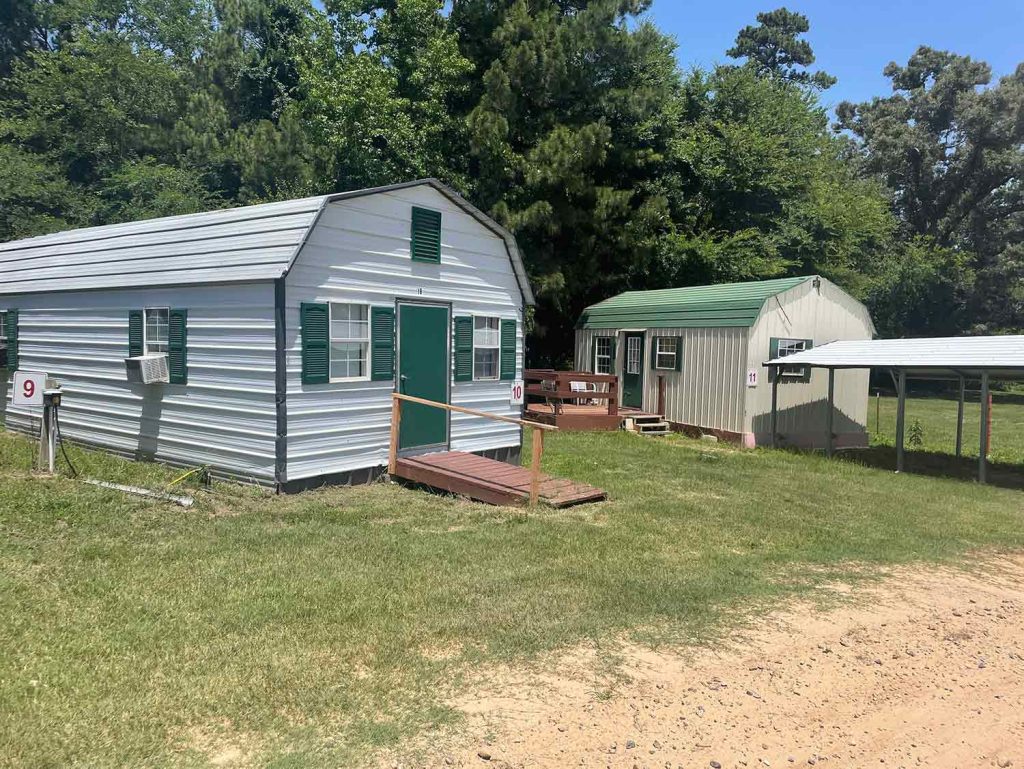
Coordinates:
(147, 369)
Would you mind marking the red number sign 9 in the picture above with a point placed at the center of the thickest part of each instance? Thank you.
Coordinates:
(28, 388)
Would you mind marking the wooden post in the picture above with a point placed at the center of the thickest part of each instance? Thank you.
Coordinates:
(537, 439)
(613, 401)
(960, 420)
(901, 414)
(830, 443)
(773, 372)
(985, 426)
(396, 420)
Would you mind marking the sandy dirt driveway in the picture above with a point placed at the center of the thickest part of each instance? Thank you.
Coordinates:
(924, 669)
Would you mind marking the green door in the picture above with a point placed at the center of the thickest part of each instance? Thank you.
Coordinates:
(423, 372)
(633, 371)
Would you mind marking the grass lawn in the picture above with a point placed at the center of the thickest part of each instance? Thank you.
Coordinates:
(937, 419)
(310, 629)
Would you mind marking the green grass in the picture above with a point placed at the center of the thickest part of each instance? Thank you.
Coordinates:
(309, 630)
(937, 418)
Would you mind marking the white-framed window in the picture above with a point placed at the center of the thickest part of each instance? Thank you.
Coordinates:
(156, 331)
(350, 341)
(603, 355)
(3, 327)
(633, 344)
(791, 347)
(486, 347)
(666, 353)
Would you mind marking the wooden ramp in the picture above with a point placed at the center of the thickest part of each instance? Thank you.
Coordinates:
(487, 480)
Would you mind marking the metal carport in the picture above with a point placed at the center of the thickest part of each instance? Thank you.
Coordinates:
(981, 358)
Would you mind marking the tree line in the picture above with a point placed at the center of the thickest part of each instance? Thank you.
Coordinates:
(569, 121)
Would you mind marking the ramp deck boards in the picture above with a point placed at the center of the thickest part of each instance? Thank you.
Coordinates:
(491, 481)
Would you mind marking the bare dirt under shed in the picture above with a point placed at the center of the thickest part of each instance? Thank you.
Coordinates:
(925, 668)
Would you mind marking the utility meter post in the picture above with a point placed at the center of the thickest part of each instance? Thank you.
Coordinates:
(48, 442)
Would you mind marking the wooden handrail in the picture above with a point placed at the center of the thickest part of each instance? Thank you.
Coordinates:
(538, 434)
(473, 412)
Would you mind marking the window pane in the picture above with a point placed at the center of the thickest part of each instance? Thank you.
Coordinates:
(486, 332)
(603, 357)
(349, 322)
(348, 359)
(3, 325)
(485, 363)
(157, 324)
(666, 349)
(790, 347)
(633, 355)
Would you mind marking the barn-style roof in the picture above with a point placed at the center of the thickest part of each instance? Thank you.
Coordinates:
(725, 304)
(236, 244)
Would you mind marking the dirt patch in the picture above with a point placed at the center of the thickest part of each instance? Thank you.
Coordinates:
(923, 669)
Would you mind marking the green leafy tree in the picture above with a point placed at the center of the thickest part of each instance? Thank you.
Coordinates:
(774, 48)
(379, 83)
(569, 134)
(949, 146)
(763, 189)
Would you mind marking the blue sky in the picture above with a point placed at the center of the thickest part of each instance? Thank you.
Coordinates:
(855, 39)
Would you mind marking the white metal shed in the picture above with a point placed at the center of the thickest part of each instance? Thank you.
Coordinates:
(285, 326)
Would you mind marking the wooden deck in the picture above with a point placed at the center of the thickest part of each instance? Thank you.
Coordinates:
(571, 416)
(487, 480)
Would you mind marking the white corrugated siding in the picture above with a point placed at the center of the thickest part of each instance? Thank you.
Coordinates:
(708, 391)
(224, 417)
(824, 314)
(237, 244)
(359, 252)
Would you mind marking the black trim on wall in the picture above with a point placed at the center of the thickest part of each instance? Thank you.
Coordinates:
(280, 386)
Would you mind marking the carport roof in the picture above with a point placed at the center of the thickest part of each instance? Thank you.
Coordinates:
(1002, 357)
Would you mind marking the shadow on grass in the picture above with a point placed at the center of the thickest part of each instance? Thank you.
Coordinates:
(937, 464)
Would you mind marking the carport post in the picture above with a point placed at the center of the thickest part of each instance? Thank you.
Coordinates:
(773, 372)
(830, 443)
(960, 420)
(982, 458)
(901, 413)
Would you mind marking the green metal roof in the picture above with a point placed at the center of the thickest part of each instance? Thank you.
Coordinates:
(726, 304)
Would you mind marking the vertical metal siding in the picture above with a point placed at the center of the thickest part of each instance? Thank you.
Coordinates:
(224, 416)
(359, 252)
(824, 315)
(708, 392)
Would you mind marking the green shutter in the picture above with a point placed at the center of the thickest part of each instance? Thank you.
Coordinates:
(316, 359)
(654, 352)
(426, 235)
(135, 328)
(611, 354)
(382, 343)
(12, 340)
(463, 349)
(177, 346)
(679, 353)
(508, 349)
